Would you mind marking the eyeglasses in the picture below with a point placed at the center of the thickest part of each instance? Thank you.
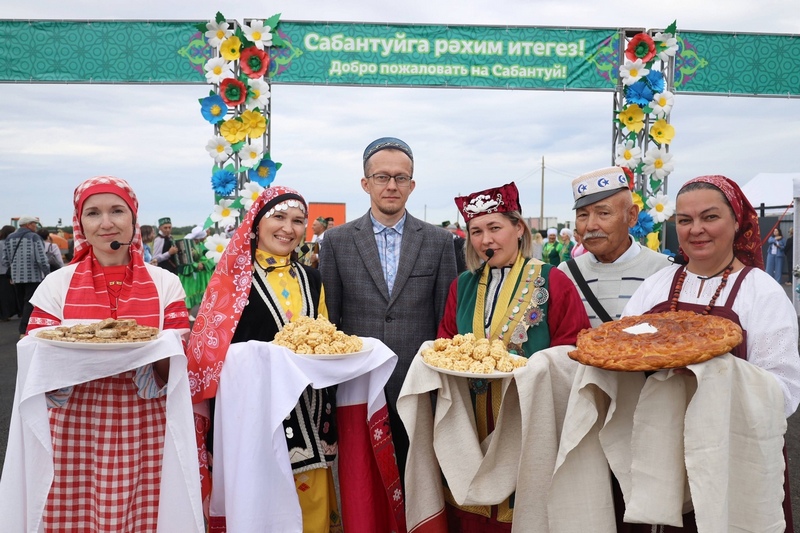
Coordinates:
(400, 180)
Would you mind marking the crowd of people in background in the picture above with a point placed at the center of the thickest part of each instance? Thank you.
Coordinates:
(402, 282)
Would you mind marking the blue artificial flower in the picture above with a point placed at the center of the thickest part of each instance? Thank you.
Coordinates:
(223, 182)
(264, 173)
(656, 81)
(643, 226)
(213, 108)
(639, 93)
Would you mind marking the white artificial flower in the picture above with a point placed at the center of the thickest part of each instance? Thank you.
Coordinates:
(223, 214)
(250, 193)
(658, 163)
(215, 245)
(662, 104)
(628, 155)
(217, 32)
(217, 69)
(250, 154)
(219, 149)
(260, 94)
(661, 207)
(258, 33)
(666, 44)
(631, 71)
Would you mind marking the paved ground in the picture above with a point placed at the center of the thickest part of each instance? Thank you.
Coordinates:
(8, 371)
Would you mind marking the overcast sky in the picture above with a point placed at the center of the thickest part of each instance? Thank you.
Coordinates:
(54, 136)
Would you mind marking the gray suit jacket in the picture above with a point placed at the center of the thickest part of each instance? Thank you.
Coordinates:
(357, 296)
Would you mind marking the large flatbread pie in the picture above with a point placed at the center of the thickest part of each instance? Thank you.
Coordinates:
(656, 341)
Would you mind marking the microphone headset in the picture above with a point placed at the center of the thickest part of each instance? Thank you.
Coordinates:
(489, 254)
(116, 245)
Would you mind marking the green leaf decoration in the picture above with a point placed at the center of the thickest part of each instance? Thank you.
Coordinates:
(237, 204)
(278, 166)
(639, 168)
(631, 136)
(672, 28)
(202, 27)
(236, 147)
(208, 223)
(220, 18)
(273, 21)
(655, 183)
(230, 168)
(647, 109)
(277, 41)
(657, 227)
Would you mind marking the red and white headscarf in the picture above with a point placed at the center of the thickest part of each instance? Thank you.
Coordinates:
(747, 241)
(87, 297)
(227, 294)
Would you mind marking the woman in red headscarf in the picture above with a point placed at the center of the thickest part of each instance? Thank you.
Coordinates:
(723, 275)
(108, 434)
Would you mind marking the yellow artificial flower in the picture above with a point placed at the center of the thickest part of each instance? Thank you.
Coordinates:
(662, 132)
(637, 200)
(231, 48)
(652, 241)
(255, 123)
(632, 117)
(233, 130)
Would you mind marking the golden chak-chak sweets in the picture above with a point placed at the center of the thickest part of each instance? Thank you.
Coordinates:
(465, 353)
(316, 336)
(106, 331)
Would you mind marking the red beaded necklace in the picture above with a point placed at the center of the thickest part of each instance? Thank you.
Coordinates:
(673, 305)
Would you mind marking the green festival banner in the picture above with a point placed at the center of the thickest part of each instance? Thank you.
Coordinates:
(340, 53)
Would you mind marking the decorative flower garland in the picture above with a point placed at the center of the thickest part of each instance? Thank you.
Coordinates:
(238, 107)
(644, 119)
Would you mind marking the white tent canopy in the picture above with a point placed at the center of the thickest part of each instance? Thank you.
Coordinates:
(771, 190)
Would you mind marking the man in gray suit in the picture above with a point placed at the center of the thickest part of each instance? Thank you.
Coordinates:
(386, 275)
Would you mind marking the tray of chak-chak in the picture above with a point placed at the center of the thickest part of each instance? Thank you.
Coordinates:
(656, 341)
(469, 357)
(317, 338)
(107, 334)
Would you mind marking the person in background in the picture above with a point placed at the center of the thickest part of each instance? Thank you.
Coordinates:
(775, 254)
(8, 299)
(109, 433)
(51, 250)
(25, 258)
(505, 295)
(538, 244)
(387, 274)
(578, 249)
(148, 234)
(318, 228)
(195, 275)
(615, 264)
(458, 245)
(550, 249)
(565, 245)
(789, 252)
(164, 248)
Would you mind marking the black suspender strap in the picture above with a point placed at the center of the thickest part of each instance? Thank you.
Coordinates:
(602, 314)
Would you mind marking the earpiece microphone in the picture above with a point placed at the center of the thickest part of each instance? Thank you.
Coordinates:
(489, 253)
(116, 245)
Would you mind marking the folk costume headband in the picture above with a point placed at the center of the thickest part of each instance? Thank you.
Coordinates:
(323, 221)
(385, 143)
(747, 241)
(503, 199)
(227, 294)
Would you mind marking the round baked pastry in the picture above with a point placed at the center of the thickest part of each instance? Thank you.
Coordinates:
(656, 341)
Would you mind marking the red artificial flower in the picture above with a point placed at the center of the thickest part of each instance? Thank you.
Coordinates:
(254, 62)
(232, 91)
(629, 174)
(641, 47)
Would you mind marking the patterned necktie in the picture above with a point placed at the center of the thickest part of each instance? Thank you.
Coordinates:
(390, 268)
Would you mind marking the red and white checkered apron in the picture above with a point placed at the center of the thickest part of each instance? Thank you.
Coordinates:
(107, 450)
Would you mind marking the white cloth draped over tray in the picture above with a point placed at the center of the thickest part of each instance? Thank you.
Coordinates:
(712, 442)
(518, 456)
(28, 468)
(259, 386)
